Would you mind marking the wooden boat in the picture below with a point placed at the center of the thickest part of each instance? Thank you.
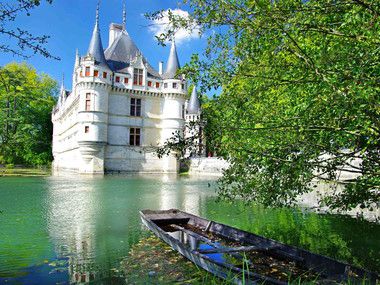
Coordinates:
(246, 258)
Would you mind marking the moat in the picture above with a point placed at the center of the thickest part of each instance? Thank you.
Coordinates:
(55, 229)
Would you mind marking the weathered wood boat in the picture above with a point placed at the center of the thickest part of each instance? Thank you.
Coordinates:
(246, 258)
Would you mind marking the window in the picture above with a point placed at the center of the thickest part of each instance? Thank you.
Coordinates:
(117, 79)
(183, 86)
(87, 71)
(126, 80)
(96, 73)
(86, 129)
(135, 107)
(175, 85)
(138, 76)
(150, 83)
(81, 73)
(134, 136)
(104, 74)
(183, 111)
(157, 85)
(165, 85)
(88, 102)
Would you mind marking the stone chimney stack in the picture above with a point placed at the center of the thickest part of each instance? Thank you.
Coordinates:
(115, 31)
(160, 67)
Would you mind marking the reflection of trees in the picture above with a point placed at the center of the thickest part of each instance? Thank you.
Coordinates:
(23, 241)
(336, 236)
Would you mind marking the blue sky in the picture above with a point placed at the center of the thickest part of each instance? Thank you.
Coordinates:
(70, 24)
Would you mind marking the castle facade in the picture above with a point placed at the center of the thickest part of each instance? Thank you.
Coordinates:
(120, 109)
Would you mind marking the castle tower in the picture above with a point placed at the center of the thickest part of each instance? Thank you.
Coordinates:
(92, 88)
(194, 124)
(174, 85)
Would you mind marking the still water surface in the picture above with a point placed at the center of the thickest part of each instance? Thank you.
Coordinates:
(72, 229)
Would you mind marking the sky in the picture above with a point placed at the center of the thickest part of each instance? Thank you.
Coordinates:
(70, 23)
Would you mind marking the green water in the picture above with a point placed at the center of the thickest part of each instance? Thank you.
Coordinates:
(62, 229)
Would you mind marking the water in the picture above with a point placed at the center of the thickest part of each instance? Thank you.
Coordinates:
(73, 229)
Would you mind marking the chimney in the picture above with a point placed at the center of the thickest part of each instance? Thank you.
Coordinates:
(115, 31)
(160, 67)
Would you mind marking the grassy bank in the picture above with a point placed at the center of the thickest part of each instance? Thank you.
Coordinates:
(24, 171)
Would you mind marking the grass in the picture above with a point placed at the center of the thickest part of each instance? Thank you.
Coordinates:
(14, 172)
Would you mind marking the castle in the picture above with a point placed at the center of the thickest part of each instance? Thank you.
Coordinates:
(120, 109)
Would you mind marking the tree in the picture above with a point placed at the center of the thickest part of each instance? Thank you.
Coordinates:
(26, 103)
(23, 40)
(300, 99)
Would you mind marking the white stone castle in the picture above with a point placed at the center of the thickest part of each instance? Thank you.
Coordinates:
(120, 109)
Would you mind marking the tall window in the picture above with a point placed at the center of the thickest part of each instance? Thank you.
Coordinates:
(183, 86)
(183, 112)
(165, 85)
(157, 85)
(87, 71)
(150, 83)
(96, 73)
(86, 129)
(126, 80)
(88, 102)
(135, 107)
(174, 85)
(138, 76)
(134, 136)
(104, 74)
(117, 79)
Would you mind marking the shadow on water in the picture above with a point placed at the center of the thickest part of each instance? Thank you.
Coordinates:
(77, 229)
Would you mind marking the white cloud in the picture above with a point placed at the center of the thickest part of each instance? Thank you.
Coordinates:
(160, 26)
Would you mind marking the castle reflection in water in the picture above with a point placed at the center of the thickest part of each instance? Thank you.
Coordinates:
(93, 230)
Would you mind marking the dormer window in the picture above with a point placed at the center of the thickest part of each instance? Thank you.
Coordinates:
(104, 74)
(165, 85)
(96, 73)
(137, 76)
(157, 85)
(150, 83)
(125, 80)
(117, 79)
(174, 85)
(87, 71)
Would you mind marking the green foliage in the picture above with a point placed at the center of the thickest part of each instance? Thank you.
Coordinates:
(26, 101)
(300, 96)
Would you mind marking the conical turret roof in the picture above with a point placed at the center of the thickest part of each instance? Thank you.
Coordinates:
(95, 48)
(173, 62)
(194, 105)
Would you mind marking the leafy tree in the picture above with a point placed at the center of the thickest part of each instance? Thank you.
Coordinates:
(300, 99)
(26, 102)
(22, 39)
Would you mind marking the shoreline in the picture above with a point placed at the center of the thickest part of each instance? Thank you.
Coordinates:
(24, 171)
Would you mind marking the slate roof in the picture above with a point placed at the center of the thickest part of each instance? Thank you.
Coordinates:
(122, 51)
(194, 105)
(95, 48)
(173, 63)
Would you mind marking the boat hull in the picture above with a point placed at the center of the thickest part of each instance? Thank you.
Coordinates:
(332, 271)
